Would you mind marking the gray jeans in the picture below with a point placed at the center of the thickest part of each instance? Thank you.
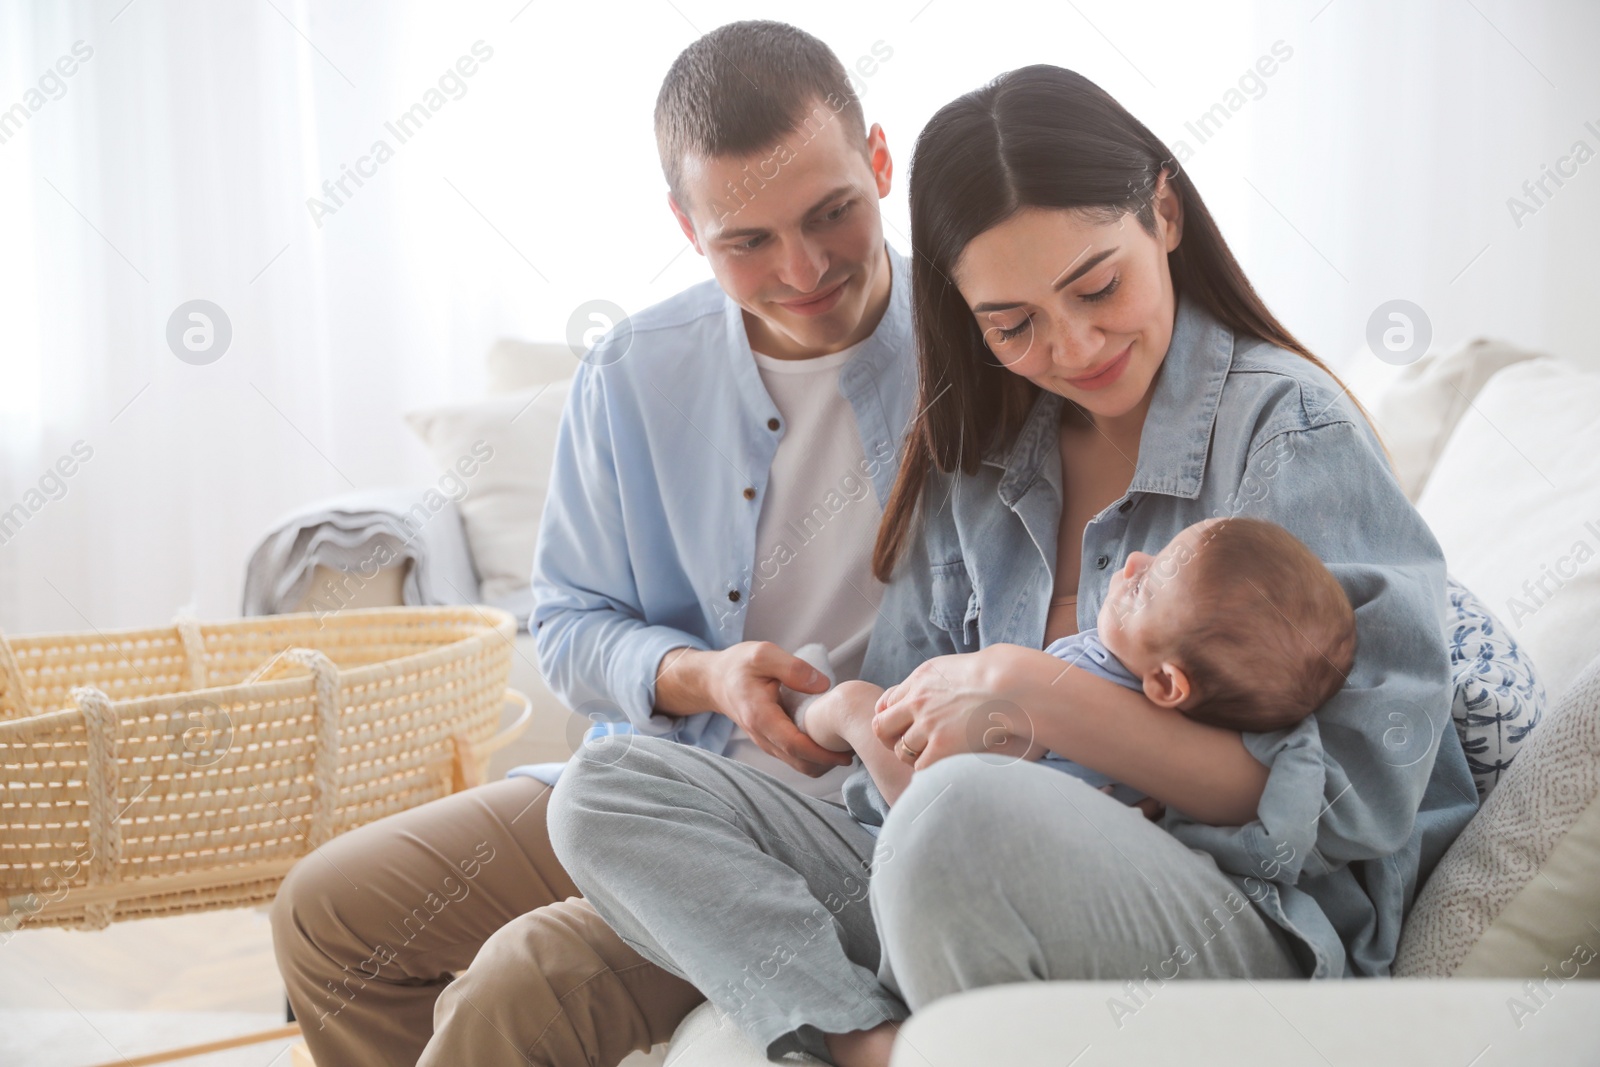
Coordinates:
(788, 916)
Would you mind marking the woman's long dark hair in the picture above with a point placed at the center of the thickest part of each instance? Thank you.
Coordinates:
(1045, 137)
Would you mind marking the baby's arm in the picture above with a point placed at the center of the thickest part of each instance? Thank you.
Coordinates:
(840, 720)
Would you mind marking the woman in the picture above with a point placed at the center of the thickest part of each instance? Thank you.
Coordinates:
(1097, 374)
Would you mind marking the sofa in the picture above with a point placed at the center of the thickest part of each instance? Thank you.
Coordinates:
(1499, 448)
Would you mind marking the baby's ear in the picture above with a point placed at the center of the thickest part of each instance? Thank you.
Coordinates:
(1167, 685)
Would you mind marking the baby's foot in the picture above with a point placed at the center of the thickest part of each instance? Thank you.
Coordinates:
(840, 720)
(822, 723)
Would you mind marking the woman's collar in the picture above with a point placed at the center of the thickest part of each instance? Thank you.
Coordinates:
(1177, 427)
(1187, 390)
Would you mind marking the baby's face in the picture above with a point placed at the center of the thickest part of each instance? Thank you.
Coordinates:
(1146, 603)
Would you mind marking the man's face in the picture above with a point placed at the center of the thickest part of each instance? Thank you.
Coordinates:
(793, 235)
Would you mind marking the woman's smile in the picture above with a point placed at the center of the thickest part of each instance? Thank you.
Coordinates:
(1106, 374)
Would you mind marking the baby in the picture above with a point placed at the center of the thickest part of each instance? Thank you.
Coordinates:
(1234, 623)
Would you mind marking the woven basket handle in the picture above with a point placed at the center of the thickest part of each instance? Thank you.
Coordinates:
(14, 702)
(329, 702)
(194, 649)
(102, 730)
(466, 768)
(512, 730)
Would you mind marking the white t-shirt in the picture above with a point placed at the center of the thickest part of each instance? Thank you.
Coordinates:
(813, 539)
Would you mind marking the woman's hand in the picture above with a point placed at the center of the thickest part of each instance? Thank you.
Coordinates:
(950, 705)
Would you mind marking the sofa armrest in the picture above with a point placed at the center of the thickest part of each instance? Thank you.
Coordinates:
(356, 538)
(415, 535)
(386, 589)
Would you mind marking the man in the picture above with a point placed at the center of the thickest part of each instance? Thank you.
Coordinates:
(720, 470)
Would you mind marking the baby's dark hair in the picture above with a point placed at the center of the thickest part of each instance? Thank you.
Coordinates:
(1273, 636)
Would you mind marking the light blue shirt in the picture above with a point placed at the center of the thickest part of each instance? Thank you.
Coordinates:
(1377, 786)
(1085, 651)
(648, 538)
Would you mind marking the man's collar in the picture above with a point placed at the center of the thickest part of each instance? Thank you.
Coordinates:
(891, 339)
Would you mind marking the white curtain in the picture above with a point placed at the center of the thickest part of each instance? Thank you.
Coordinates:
(177, 159)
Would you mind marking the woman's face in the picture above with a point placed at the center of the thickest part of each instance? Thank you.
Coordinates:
(1079, 308)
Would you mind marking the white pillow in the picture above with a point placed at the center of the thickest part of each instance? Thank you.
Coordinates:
(517, 365)
(505, 498)
(1417, 406)
(1515, 503)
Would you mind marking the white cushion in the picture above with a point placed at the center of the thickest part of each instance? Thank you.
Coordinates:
(1417, 406)
(506, 496)
(517, 365)
(1287, 1023)
(1518, 892)
(1515, 502)
(708, 1038)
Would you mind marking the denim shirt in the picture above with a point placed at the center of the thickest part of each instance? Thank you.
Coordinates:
(1377, 785)
(648, 537)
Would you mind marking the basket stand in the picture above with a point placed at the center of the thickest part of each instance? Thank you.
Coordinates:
(102, 727)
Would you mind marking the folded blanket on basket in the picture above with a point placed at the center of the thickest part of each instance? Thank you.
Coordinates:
(360, 533)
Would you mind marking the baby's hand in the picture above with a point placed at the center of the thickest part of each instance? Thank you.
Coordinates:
(1153, 809)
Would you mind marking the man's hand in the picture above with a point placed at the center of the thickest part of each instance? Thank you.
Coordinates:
(742, 683)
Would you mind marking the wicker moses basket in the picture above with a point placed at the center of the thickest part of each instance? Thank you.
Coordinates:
(152, 772)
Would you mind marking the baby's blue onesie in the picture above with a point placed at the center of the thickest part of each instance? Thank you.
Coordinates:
(1085, 651)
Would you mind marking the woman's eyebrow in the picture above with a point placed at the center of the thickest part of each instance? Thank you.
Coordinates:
(1067, 278)
(1087, 266)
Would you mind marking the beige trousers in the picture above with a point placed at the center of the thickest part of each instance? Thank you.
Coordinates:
(449, 935)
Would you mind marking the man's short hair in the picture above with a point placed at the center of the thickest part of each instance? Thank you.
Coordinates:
(742, 87)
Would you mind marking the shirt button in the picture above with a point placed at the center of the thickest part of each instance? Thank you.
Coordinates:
(1101, 561)
(772, 424)
(733, 595)
(749, 493)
